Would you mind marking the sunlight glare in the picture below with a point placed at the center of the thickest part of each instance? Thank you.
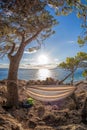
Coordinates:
(43, 59)
(43, 74)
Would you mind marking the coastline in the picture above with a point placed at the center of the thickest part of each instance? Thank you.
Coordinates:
(42, 74)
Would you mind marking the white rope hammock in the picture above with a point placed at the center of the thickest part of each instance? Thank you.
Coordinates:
(50, 93)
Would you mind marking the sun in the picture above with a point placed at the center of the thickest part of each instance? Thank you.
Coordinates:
(43, 59)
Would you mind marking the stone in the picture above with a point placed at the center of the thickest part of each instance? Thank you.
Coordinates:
(41, 111)
(43, 128)
(41, 123)
(71, 127)
(53, 120)
(32, 124)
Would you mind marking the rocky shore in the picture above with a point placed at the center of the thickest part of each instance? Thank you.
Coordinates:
(67, 114)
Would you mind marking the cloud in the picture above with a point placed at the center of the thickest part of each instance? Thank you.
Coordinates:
(56, 60)
(25, 60)
(31, 66)
(4, 65)
(71, 41)
(28, 61)
(27, 52)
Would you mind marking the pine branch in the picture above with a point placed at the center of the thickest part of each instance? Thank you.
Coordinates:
(11, 51)
(32, 38)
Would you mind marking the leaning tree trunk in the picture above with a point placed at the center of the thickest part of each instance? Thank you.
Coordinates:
(70, 74)
(60, 82)
(12, 88)
(72, 78)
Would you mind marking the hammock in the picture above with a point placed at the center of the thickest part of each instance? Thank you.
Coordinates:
(50, 93)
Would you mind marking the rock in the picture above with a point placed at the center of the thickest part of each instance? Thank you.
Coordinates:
(72, 127)
(2, 121)
(2, 82)
(38, 82)
(81, 98)
(3, 88)
(50, 81)
(53, 120)
(84, 112)
(43, 128)
(78, 83)
(32, 124)
(41, 123)
(73, 117)
(21, 83)
(7, 122)
(55, 107)
(2, 111)
(85, 81)
(20, 114)
(15, 128)
(30, 82)
(30, 115)
(63, 118)
(68, 103)
(65, 114)
(49, 119)
(41, 111)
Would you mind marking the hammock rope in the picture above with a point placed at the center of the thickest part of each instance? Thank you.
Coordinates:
(50, 93)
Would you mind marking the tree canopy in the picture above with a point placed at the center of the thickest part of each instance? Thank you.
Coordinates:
(23, 22)
(85, 73)
(26, 20)
(73, 63)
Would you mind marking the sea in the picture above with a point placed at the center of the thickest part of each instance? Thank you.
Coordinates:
(42, 74)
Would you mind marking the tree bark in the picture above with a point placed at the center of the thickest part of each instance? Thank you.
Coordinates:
(72, 78)
(12, 88)
(72, 73)
(60, 82)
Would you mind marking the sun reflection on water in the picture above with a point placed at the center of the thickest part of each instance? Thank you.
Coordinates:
(43, 74)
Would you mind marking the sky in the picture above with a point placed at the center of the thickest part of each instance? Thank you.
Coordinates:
(57, 47)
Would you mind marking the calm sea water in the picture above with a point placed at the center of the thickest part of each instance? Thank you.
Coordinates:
(42, 74)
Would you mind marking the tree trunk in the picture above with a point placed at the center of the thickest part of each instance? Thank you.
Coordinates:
(72, 78)
(60, 82)
(70, 74)
(12, 88)
(12, 99)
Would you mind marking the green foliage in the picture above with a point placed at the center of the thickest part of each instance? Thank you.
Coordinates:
(79, 15)
(81, 56)
(73, 63)
(70, 63)
(21, 20)
(84, 73)
(85, 38)
(30, 101)
(24, 21)
(81, 41)
(58, 13)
